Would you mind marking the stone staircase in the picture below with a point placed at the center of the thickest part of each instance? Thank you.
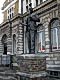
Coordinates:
(53, 66)
(6, 70)
(6, 73)
(53, 61)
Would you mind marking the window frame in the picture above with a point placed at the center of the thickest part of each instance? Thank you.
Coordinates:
(56, 36)
(28, 3)
(41, 31)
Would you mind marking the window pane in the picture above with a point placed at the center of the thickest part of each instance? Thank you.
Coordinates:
(10, 16)
(41, 42)
(36, 2)
(54, 39)
(55, 35)
(51, 37)
(26, 1)
(10, 10)
(59, 38)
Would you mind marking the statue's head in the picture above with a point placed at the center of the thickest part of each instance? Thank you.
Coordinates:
(30, 10)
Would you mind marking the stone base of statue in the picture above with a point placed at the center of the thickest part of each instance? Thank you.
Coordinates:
(32, 66)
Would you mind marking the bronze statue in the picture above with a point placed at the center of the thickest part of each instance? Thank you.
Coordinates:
(31, 29)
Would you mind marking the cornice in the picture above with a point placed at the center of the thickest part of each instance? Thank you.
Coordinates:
(18, 16)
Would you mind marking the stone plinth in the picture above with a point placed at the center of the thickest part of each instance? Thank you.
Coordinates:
(32, 65)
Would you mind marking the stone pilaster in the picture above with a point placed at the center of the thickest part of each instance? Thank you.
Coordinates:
(9, 39)
(58, 4)
(47, 40)
(20, 43)
(1, 47)
(9, 45)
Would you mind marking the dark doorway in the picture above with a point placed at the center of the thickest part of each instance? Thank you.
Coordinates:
(4, 42)
(5, 48)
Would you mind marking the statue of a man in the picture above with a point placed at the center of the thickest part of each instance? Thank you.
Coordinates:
(31, 29)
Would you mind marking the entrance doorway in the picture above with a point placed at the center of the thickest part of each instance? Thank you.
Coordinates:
(5, 48)
(4, 42)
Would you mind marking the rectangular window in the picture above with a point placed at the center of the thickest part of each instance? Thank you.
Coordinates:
(10, 10)
(41, 41)
(36, 2)
(26, 1)
(59, 38)
(30, 4)
(10, 16)
(55, 35)
(54, 38)
(26, 8)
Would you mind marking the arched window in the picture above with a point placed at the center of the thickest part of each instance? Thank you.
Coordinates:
(41, 39)
(14, 44)
(4, 42)
(55, 35)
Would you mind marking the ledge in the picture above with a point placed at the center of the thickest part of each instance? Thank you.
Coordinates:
(41, 74)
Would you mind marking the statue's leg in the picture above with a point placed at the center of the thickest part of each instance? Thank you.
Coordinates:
(29, 42)
(32, 42)
(26, 48)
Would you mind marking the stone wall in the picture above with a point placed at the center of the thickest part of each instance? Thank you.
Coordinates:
(32, 64)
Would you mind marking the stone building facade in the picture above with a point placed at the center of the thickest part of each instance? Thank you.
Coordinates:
(13, 33)
(11, 36)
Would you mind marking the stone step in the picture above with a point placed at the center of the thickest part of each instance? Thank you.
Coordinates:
(4, 69)
(7, 78)
(6, 73)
